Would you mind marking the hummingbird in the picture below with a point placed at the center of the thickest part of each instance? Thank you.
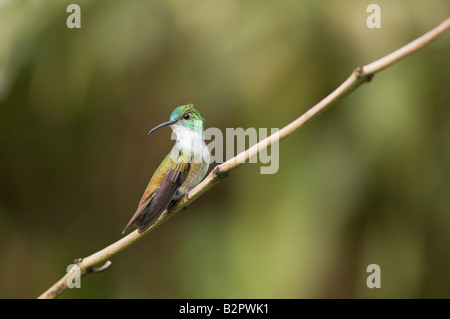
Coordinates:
(182, 169)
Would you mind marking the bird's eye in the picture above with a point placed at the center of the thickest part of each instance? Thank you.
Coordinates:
(187, 116)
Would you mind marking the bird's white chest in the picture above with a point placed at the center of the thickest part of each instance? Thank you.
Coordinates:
(192, 142)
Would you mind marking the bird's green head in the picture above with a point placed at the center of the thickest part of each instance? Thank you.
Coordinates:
(184, 116)
(188, 116)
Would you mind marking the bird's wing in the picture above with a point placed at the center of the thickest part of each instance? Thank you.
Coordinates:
(173, 179)
(149, 193)
(139, 212)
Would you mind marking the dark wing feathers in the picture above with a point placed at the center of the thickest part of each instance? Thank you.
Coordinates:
(173, 179)
(143, 207)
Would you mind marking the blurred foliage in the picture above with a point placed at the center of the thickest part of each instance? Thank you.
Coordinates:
(366, 182)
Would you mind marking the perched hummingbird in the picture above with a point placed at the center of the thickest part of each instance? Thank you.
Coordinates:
(182, 169)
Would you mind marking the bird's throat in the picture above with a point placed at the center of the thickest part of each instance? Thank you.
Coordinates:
(189, 140)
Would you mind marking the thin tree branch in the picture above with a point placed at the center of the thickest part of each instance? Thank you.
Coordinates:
(359, 76)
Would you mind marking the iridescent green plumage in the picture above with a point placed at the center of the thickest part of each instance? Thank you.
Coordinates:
(182, 169)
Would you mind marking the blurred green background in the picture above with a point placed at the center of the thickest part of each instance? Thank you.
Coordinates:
(366, 182)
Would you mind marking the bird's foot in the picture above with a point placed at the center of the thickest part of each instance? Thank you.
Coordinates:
(187, 193)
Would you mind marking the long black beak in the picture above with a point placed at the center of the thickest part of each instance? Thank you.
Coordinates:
(161, 125)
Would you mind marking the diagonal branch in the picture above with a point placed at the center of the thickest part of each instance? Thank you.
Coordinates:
(359, 76)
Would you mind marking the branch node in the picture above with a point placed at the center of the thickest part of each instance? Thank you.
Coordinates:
(362, 75)
(218, 173)
(93, 270)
